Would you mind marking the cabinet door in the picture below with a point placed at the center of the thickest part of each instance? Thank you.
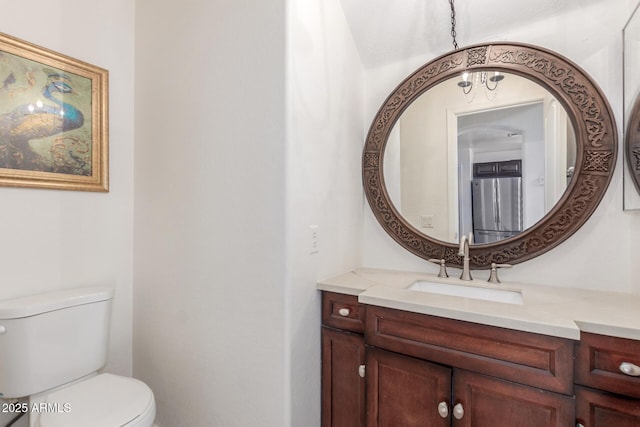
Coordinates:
(595, 408)
(482, 401)
(342, 387)
(407, 392)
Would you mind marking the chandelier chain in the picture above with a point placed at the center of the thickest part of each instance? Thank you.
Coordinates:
(453, 25)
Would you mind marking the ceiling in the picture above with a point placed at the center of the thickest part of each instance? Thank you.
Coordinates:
(385, 31)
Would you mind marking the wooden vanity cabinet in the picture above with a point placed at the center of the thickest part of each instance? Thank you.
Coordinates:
(443, 372)
(605, 395)
(409, 392)
(343, 361)
(430, 371)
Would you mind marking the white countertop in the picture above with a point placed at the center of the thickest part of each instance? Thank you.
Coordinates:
(547, 310)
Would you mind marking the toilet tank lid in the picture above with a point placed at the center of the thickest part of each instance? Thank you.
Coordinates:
(50, 301)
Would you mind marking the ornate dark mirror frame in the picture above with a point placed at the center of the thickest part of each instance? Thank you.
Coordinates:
(632, 144)
(596, 140)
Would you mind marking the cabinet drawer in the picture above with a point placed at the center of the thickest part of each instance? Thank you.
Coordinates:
(598, 360)
(595, 408)
(342, 312)
(526, 358)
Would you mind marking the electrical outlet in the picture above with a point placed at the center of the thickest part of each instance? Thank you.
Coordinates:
(426, 221)
(313, 239)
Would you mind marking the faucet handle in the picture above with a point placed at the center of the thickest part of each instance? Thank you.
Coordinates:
(443, 266)
(493, 276)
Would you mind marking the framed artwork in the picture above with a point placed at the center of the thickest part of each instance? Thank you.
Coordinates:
(53, 119)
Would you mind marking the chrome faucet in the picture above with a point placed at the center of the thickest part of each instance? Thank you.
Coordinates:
(464, 252)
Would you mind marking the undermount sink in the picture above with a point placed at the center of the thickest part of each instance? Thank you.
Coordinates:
(508, 296)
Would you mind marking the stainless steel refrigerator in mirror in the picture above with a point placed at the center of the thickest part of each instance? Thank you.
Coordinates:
(497, 208)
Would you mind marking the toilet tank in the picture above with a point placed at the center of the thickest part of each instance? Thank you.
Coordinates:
(53, 338)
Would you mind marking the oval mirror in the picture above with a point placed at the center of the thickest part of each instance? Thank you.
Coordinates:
(499, 165)
(631, 96)
(506, 134)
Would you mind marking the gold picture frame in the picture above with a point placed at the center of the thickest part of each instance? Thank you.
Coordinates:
(54, 126)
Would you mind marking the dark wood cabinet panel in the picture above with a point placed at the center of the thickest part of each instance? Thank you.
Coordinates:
(343, 312)
(497, 169)
(523, 357)
(490, 402)
(404, 391)
(343, 390)
(431, 371)
(616, 402)
(598, 360)
(596, 408)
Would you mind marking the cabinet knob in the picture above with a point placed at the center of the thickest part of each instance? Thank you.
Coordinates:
(344, 312)
(579, 425)
(630, 369)
(361, 371)
(458, 411)
(443, 409)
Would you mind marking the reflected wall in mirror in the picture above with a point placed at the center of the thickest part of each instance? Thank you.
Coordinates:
(547, 120)
(519, 133)
(631, 47)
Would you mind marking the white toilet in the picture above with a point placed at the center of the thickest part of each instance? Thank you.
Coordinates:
(51, 347)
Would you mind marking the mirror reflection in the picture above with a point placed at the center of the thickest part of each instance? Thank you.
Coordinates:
(631, 84)
(489, 153)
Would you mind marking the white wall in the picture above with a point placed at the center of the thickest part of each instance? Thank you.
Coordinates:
(324, 185)
(226, 321)
(210, 303)
(59, 239)
(600, 255)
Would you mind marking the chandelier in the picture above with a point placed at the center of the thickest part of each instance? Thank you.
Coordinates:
(489, 80)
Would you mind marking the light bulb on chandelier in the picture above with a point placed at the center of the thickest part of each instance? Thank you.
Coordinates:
(487, 79)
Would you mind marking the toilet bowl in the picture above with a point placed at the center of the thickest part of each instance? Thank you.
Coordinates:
(52, 346)
(103, 400)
